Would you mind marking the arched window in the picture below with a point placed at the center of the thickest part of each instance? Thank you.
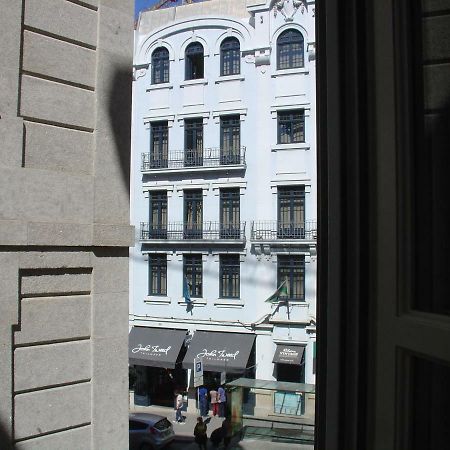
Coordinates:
(160, 66)
(290, 50)
(230, 57)
(194, 61)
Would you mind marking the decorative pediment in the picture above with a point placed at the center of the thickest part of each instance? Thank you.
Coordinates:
(288, 8)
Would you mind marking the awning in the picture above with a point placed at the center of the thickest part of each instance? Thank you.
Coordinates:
(156, 347)
(227, 352)
(288, 354)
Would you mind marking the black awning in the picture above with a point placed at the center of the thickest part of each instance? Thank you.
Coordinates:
(288, 354)
(227, 352)
(156, 347)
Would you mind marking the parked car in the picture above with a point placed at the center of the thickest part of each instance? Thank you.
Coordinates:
(149, 431)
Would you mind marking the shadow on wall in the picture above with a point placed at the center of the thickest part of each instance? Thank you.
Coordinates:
(5, 439)
(120, 117)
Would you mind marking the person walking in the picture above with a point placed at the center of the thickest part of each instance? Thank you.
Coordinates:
(203, 401)
(200, 435)
(222, 401)
(178, 407)
(227, 432)
(214, 396)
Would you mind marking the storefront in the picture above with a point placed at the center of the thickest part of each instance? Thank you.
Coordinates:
(228, 355)
(289, 363)
(156, 355)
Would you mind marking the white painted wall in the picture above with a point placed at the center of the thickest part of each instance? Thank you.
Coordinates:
(256, 94)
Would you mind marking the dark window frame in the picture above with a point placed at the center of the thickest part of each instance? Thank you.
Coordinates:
(230, 139)
(160, 66)
(157, 265)
(291, 202)
(193, 201)
(230, 202)
(287, 267)
(159, 144)
(194, 61)
(193, 272)
(230, 56)
(158, 204)
(290, 50)
(229, 276)
(193, 142)
(291, 126)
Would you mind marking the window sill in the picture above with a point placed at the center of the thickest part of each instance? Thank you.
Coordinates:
(154, 87)
(194, 82)
(283, 72)
(229, 303)
(157, 299)
(195, 302)
(225, 78)
(294, 146)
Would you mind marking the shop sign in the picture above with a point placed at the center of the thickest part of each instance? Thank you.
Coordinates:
(151, 350)
(217, 355)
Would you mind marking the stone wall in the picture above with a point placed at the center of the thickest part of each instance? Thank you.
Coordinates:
(65, 102)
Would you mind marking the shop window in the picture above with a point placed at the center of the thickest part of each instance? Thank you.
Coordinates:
(230, 140)
(160, 66)
(290, 50)
(229, 276)
(194, 61)
(192, 271)
(159, 144)
(291, 126)
(292, 269)
(230, 57)
(157, 274)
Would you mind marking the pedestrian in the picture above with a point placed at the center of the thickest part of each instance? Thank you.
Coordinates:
(178, 407)
(200, 433)
(214, 396)
(203, 401)
(227, 432)
(222, 401)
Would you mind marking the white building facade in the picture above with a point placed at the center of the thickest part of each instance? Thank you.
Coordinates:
(223, 190)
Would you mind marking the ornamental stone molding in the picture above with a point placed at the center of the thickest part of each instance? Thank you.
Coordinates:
(288, 8)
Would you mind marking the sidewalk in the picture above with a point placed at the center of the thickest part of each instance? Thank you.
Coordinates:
(185, 431)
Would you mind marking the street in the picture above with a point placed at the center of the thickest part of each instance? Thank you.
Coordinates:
(249, 444)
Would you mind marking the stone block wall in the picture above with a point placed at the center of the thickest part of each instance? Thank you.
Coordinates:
(65, 103)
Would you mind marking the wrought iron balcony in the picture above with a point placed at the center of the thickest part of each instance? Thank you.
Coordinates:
(178, 231)
(193, 158)
(273, 230)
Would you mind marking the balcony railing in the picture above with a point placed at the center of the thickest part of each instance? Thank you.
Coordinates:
(178, 159)
(273, 230)
(193, 231)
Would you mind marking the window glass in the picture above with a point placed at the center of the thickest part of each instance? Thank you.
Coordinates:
(160, 66)
(159, 144)
(291, 126)
(157, 274)
(230, 56)
(230, 140)
(193, 214)
(192, 265)
(291, 268)
(230, 213)
(193, 142)
(290, 50)
(194, 61)
(291, 212)
(229, 276)
(158, 215)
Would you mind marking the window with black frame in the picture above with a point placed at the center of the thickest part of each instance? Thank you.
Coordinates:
(290, 50)
(292, 269)
(193, 142)
(157, 279)
(291, 126)
(291, 212)
(230, 213)
(230, 57)
(193, 214)
(159, 145)
(229, 276)
(194, 64)
(192, 271)
(158, 215)
(160, 66)
(230, 140)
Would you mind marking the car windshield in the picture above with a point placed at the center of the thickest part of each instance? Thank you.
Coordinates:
(162, 424)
